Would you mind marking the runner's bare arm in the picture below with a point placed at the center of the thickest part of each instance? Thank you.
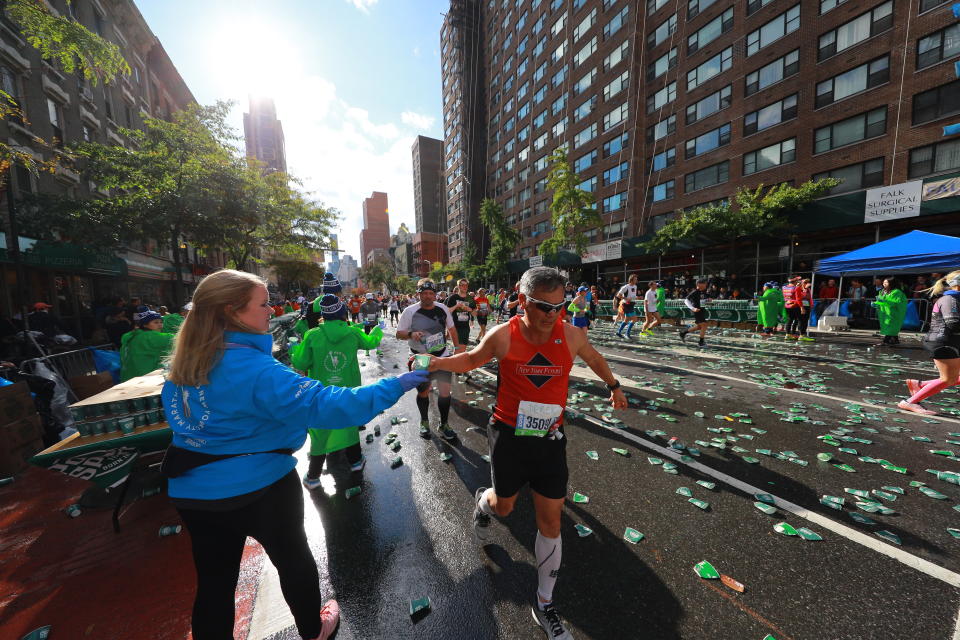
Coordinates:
(596, 362)
(493, 343)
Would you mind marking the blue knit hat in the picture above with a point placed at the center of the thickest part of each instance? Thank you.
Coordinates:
(330, 307)
(330, 284)
(144, 315)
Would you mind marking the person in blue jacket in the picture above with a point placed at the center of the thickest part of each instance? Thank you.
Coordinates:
(237, 416)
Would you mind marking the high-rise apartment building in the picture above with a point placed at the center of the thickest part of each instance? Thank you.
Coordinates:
(464, 123)
(665, 105)
(428, 192)
(263, 134)
(334, 265)
(376, 225)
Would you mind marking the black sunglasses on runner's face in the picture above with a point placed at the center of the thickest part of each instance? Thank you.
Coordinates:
(546, 307)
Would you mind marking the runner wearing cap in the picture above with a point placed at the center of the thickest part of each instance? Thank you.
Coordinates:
(651, 313)
(426, 325)
(463, 307)
(627, 294)
(695, 301)
(578, 308)
(527, 444)
(369, 313)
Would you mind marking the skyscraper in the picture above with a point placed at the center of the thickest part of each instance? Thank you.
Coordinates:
(428, 185)
(376, 225)
(263, 134)
(334, 265)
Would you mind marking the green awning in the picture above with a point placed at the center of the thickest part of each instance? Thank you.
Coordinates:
(69, 257)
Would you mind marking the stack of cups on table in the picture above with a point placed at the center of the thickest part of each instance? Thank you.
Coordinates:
(120, 415)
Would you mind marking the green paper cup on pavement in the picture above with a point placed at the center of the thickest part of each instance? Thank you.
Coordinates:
(127, 424)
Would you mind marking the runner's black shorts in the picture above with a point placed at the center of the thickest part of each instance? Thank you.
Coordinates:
(394, 313)
(942, 350)
(519, 460)
(439, 376)
(463, 333)
(699, 316)
(481, 320)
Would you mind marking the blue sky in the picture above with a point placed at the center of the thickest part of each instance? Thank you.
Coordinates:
(355, 81)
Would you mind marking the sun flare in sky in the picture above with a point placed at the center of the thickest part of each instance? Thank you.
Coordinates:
(254, 55)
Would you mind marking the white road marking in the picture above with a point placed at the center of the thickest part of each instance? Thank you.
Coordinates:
(873, 543)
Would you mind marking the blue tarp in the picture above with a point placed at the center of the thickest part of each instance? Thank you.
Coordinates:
(917, 251)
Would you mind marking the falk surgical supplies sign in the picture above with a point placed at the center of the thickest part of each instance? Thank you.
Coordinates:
(893, 202)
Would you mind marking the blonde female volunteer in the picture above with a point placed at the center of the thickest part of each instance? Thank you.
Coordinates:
(237, 415)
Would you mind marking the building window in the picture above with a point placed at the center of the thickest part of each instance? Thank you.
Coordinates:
(584, 162)
(856, 80)
(589, 185)
(557, 27)
(539, 94)
(696, 7)
(786, 22)
(938, 46)
(559, 76)
(558, 105)
(926, 5)
(540, 48)
(581, 29)
(662, 32)
(708, 141)
(662, 129)
(616, 145)
(770, 115)
(540, 142)
(540, 72)
(584, 83)
(616, 56)
(584, 109)
(867, 25)
(654, 5)
(540, 119)
(935, 158)
(523, 134)
(615, 117)
(860, 127)
(772, 73)
(662, 64)
(937, 103)
(87, 133)
(710, 31)
(664, 160)
(769, 157)
(828, 5)
(615, 202)
(557, 54)
(663, 97)
(523, 110)
(614, 230)
(755, 5)
(855, 177)
(585, 136)
(707, 177)
(617, 85)
(585, 52)
(710, 69)
(559, 127)
(716, 101)
(10, 84)
(663, 191)
(616, 173)
(56, 121)
(616, 23)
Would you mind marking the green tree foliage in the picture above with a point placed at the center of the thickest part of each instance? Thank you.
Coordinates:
(504, 239)
(378, 274)
(573, 210)
(754, 213)
(404, 284)
(292, 272)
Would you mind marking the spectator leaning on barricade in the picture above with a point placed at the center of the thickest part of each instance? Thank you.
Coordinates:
(237, 416)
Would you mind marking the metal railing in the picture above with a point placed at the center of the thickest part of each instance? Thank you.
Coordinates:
(861, 311)
(69, 363)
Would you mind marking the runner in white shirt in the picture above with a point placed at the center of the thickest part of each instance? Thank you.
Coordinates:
(651, 317)
(628, 292)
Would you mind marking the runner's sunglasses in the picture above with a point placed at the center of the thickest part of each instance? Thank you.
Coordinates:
(546, 307)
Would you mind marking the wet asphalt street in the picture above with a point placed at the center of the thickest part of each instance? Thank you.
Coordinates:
(764, 404)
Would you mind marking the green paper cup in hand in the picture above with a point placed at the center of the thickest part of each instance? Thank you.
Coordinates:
(421, 362)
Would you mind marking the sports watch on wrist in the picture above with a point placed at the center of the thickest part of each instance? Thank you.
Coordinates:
(614, 386)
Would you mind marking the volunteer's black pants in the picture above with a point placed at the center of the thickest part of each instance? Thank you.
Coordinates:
(275, 520)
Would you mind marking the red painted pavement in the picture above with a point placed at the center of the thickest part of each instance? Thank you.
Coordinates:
(77, 575)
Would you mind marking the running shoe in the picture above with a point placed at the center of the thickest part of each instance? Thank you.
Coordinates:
(311, 483)
(702, 342)
(916, 408)
(359, 464)
(329, 619)
(447, 432)
(913, 386)
(683, 335)
(481, 521)
(424, 428)
(806, 339)
(549, 620)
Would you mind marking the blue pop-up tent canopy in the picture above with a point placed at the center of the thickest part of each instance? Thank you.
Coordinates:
(916, 251)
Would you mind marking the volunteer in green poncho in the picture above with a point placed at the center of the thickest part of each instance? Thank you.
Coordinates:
(328, 353)
(172, 321)
(661, 298)
(143, 349)
(891, 305)
(769, 307)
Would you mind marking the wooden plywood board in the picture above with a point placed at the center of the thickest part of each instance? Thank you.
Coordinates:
(139, 387)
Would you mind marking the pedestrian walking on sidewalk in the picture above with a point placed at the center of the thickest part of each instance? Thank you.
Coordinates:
(237, 416)
(535, 352)
(943, 343)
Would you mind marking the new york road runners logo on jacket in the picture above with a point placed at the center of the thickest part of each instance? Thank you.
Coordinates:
(539, 370)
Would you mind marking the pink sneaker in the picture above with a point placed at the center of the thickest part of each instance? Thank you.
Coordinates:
(916, 408)
(913, 386)
(329, 619)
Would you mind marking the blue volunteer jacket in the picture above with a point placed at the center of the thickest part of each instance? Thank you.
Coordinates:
(252, 404)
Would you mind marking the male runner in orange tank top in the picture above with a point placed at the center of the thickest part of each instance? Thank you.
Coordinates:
(535, 352)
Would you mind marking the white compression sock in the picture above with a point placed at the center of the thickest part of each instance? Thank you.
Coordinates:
(485, 503)
(548, 552)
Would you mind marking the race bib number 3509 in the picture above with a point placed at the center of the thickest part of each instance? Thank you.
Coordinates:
(536, 419)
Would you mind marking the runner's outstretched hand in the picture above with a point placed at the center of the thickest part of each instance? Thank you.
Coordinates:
(617, 399)
(413, 379)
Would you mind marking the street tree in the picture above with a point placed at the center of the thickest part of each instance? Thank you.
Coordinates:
(573, 210)
(378, 274)
(504, 239)
(293, 271)
(753, 214)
